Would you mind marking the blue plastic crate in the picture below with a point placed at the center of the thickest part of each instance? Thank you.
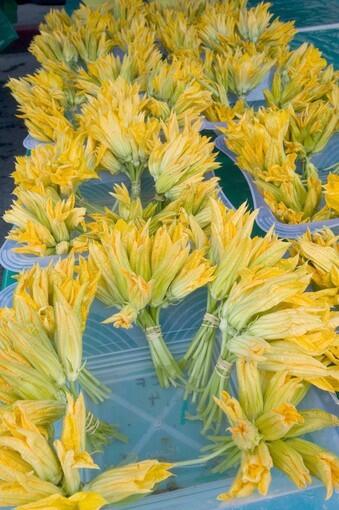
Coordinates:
(155, 420)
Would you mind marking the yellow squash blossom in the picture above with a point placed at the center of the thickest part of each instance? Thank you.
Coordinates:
(141, 272)
(170, 89)
(63, 165)
(332, 193)
(194, 201)
(75, 43)
(190, 8)
(265, 131)
(61, 295)
(25, 438)
(106, 68)
(320, 250)
(311, 129)
(262, 434)
(120, 483)
(181, 158)
(79, 501)
(44, 223)
(288, 460)
(246, 71)
(54, 48)
(54, 20)
(71, 447)
(273, 168)
(120, 10)
(40, 412)
(31, 342)
(276, 37)
(34, 385)
(36, 285)
(217, 26)
(90, 43)
(136, 35)
(216, 80)
(232, 250)
(176, 34)
(43, 86)
(254, 473)
(302, 77)
(47, 101)
(33, 475)
(253, 22)
(264, 318)
(255, 26)
(322, 463)
(116, 122)
(25, 488)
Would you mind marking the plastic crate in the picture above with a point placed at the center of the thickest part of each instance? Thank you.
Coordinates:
(266, 218)
(97, 193)
(155, 419)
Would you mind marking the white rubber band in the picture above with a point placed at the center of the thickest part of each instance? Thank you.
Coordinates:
(210, 320)
(223, 367)
(153, 333)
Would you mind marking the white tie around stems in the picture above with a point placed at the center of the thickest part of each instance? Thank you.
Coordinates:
(210, 320)
(223, 368)
(153, 333)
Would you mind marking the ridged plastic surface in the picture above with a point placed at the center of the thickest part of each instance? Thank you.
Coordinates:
(156, 420)
(265, 218)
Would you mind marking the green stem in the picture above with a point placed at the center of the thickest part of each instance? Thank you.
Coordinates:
(73, 389)
(303, 166)
(100, 433)
(166, 367)
(134, 173)
(208, 411)
(205, 458)
(198, 358)
(97, 391)
(243, 97)
(334, 168)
